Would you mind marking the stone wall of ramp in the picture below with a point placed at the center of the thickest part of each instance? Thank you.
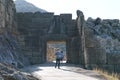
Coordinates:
(104, 35)
(10, 51)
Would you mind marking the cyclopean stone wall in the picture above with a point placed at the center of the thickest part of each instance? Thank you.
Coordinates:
(33, 27)
(9, 49)
(107, 34)
(90, 46)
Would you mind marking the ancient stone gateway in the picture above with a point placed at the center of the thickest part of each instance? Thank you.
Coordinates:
(37, 29)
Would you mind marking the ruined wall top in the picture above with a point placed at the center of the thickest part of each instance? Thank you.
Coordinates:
(7, 16)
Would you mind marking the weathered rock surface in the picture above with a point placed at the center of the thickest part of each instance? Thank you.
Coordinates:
(107, 34)
(10, 51)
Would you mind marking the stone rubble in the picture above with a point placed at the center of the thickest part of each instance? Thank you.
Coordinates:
(9, 72)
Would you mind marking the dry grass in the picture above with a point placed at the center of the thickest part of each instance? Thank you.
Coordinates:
(107, 75)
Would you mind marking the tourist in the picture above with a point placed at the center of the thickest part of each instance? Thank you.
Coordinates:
(58, 58)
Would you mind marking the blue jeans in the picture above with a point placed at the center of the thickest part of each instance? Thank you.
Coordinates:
(57, 63)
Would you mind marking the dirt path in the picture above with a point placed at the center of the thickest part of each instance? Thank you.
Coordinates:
(47, 71)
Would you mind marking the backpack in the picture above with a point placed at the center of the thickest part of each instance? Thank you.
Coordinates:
(58, 56)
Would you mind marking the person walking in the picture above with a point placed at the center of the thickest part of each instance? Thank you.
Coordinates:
(62, 55)
(58, 55)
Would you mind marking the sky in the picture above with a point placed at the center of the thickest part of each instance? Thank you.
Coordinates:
(105, 9)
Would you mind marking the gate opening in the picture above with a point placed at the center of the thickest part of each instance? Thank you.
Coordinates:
(51, 49)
